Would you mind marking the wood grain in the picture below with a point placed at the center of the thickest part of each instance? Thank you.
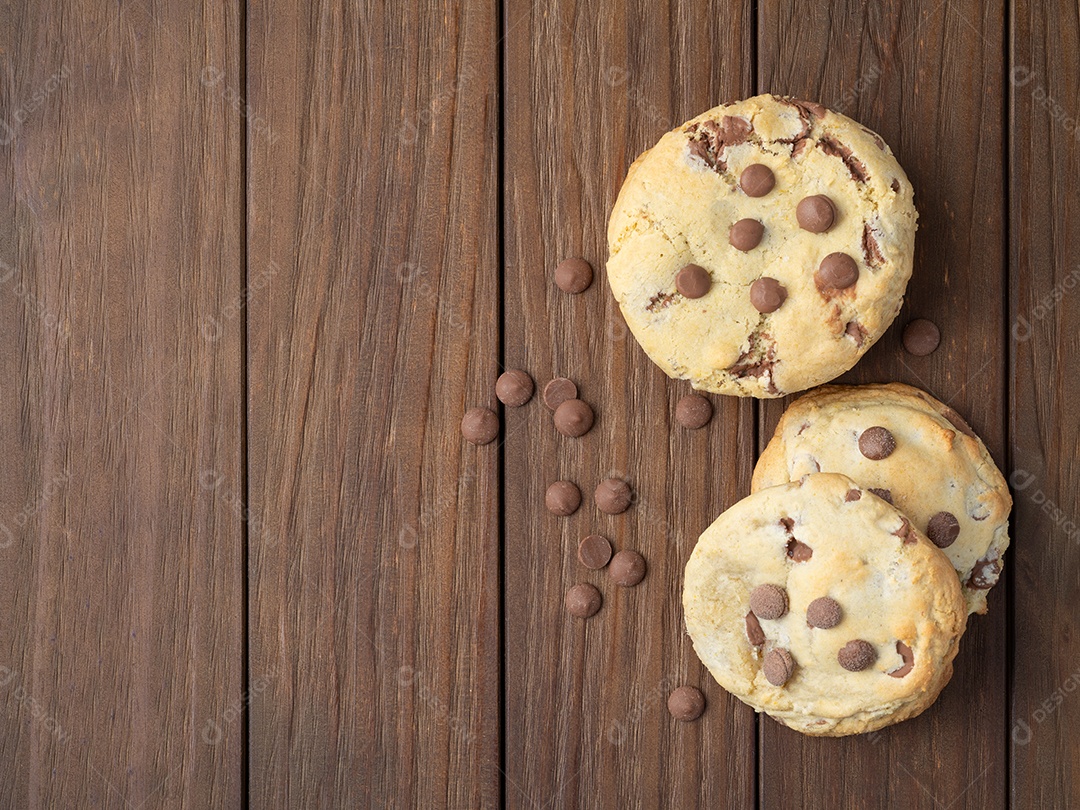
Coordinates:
(930, 80)
(589, 86)
(120, 233)
(1045, 417)
(374, 574)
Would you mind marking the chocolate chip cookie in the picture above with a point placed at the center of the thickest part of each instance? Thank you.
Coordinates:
(913, 451)
(762, 247)
(821, 605)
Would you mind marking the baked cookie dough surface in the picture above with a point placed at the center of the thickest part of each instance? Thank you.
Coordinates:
(939, 473)
(677, 208)
(898, 611)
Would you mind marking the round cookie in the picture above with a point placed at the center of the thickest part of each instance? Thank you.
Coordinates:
(685, 254)
(938, 472)
(901, 611)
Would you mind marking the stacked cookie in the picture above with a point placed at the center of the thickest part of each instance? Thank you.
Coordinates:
(833, 598)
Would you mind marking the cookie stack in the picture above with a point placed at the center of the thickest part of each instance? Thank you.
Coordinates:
(833, 598)
(761, 249)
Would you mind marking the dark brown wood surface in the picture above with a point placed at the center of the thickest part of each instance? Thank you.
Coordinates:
(257, 260)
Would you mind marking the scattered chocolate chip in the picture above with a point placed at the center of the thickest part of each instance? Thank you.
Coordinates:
(799, 551)
(573, 418)
(876, 443)
(562, 498)
(855, 330)
(909, 660)
(856, 655)
(943, 529)
(594, 551)
(627, 568)
(583, 600)
(480, 425)
(754, 634)
(573, 275)
(823, 613)
(686, 703)
(852, 495)
(905, 532)
(768, 601)
(757, 180)
(798, 147)
(514, 387)
(788, 524)
(693, 411)
(710, 139)
(884, 494)
(815, 213)
(921, 337)
(871, 250)
(693, 281)
(559, 391)
(745, 235)
(613, 496)
(831, 146)
(958, 422)
(837, 271)
(778, 666)
(986, 572)
(895, 185)
(767, 294)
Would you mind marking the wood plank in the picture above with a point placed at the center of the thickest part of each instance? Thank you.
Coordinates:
(588, 87)
(1045, 314)
(929, 78)
(375, 573)
(120, 234)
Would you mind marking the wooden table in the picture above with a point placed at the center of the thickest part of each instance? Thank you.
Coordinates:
(258, 260)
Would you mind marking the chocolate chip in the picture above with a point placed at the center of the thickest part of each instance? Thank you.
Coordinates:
(754, 634)
(852, 495)
(798, 551)
(921, 337)
(583, 600)
(831, 146)
(480, 425)
(745, 235)
(627, 568)
(816, 213)
(686, 703)
(837, 271)
(905, 532)
(871, 250)
(800, 146)
(778, 666)
(613, 496)
(877, 138)
(768, 601)
(895, 185)
(855, 330)
(943, 529)
(562, 498)
(958, 422)
(856, 655)
(884, 494)
(514, 387)
(904, 652)
(693, 281)
(757, 180)
(573, 275)
(986, 572)
(767, 294)
(559, 391)
(823, 613)
(573, 418)
(594, 551)
(876, 443)
(693, 411)
(813, 107)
